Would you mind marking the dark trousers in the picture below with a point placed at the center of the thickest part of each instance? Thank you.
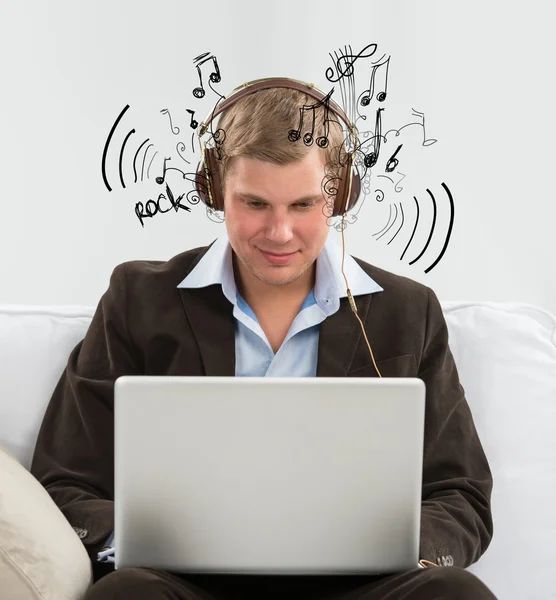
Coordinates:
(434, 583)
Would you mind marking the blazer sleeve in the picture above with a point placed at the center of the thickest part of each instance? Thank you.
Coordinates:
(456, 519)
(74, 453)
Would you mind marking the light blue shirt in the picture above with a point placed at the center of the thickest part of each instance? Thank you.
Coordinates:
(297, 356)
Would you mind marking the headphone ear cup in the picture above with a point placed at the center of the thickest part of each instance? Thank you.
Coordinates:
(202, 183)
(355, 189)
(342, 203)
(340, 199)
(208, 184)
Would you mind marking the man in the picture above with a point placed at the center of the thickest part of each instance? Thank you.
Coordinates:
(268, 298)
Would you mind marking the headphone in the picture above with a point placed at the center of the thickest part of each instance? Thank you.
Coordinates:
(207, 179)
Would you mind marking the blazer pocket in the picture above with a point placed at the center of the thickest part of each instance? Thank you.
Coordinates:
(397, 366)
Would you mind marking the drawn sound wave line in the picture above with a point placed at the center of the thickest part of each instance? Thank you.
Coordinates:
(107, 144)
(414, 229)
(144, 156)
(400, 227)
(448, 234)
(122, 156)
(387, 223)
(390, 223)
(149, 167)
(450, 227)
(135, 158)
(431, 231)
(122, 152)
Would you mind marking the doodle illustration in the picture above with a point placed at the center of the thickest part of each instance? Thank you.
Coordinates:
(376, 156)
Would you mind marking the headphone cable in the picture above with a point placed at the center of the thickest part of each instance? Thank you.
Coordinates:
(351, 299)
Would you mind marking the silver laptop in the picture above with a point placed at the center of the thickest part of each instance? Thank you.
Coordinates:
(281, 475)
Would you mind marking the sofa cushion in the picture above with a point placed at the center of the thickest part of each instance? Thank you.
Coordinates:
(35, 343)
(506, 359)
(41, 556)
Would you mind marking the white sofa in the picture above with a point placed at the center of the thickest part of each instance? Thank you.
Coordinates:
(506, 357)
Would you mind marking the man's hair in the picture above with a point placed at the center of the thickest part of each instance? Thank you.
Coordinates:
(258, 125)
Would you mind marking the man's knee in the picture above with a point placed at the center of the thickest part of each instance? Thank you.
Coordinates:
(136, 583)
(456, 583)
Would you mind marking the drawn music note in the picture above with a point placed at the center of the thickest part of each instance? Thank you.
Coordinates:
(422, 117)
(371, 159)
(398, 182)
(180, 147)
(199, 92)
(393, 162)
(322, 141)
(295, 134)
(175, 130)
(160, 180)
(381, 96)
(193, 123)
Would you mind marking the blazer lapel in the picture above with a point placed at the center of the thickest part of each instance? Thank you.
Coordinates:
(211, 318)
(340, 336)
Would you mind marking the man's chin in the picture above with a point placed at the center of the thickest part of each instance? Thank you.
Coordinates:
(275, 276)
(277, 280)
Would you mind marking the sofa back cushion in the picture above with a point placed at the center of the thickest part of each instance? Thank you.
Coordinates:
(506, 359)
(35, 343)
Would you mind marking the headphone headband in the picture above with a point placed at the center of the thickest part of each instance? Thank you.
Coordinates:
(250, 87)
(207, 181)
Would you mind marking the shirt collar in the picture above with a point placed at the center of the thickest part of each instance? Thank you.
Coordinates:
(216, 267)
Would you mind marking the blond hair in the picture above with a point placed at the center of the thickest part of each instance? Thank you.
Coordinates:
(258, 126)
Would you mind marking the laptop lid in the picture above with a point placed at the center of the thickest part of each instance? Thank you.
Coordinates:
(268, 475)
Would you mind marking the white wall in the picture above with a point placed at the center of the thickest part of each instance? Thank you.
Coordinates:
(481, 71)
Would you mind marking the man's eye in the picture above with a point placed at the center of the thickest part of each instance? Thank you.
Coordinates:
(301, 205)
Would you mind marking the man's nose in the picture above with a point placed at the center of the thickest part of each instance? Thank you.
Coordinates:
(279, 228)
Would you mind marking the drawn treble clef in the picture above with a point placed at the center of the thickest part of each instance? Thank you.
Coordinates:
(348, 60)
(175, 130)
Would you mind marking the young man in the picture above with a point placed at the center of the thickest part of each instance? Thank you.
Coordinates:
(268, 298)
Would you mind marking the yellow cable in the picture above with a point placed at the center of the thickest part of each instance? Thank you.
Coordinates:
(429, 563)
(352, 301)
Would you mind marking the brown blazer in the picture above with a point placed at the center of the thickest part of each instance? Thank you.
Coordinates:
(144, 324)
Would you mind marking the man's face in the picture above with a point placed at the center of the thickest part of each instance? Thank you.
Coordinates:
(277, 209)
